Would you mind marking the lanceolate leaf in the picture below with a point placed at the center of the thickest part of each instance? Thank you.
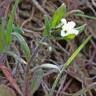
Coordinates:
(9, 30)
(10, 23)
(50, 66)
(1, 39)
(86, 16)
(81, 28)
(58, 15)
(16, 28)
(47, 27)
(14, 8)
(23, 44)
(2, 36)
(6, 29)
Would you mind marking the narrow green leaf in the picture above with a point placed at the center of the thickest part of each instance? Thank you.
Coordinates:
(81, 28)
(10, 23)
(86, 16)
(47, 27)
(58, 15)
(2, 36)
(13, 12)
(69, 37)
(9, 30)
(23, 44)
(17, 29)
(1, 39)
(66, 65)
(5, 33)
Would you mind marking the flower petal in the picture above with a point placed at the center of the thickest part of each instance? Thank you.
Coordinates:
(76, 32)
(73, 31)
(68, 28)
(63, 34)
(63, 21)
(65, 27)
(71, 24)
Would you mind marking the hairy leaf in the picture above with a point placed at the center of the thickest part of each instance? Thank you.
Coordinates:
(23, 44)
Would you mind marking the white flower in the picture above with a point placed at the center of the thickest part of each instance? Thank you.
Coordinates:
(68, 28)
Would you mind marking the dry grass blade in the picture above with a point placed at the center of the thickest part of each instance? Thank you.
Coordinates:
(84, 90)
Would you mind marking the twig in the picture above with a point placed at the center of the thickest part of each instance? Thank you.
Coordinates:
(29, 19)
(40, 7)
(94, 3)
